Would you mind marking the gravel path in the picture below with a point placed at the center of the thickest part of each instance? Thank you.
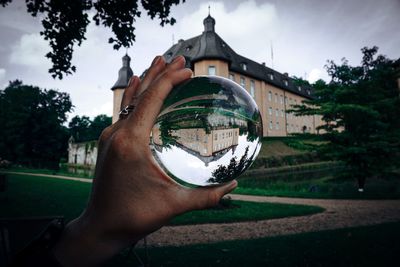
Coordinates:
(337, 214)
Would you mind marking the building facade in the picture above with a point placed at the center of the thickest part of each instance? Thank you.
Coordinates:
(82, 153)
(275, 93)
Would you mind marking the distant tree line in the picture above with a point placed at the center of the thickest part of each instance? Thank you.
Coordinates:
(83, 129)
(33, 131)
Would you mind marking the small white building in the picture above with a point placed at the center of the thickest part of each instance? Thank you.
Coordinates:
(82, 153)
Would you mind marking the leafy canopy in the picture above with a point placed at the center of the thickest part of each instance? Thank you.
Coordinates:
(65, 23)
(360, 108)
(83, 129)
(32, 125)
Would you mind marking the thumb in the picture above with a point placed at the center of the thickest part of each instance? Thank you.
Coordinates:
(206, 197)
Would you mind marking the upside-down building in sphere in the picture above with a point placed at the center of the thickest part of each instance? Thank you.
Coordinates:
(274, 92)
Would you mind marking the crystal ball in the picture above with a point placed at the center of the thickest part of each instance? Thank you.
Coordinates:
(208, 131)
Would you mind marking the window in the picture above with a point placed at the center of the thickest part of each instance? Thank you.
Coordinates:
(299, 88)
(270, 111)
(231, 77)
(243, 82)
(271, 76)
(211, 70)
(244, 66)
(308, 92)
(215, 136)
(276, 98)
(282, 99)
(286, 82)
(252, 88)
(282, 113)
(277, 125)
(269, 96)
(270, 125)
(276, 112)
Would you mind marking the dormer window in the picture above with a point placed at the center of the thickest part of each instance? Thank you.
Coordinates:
(169, 55)
(271, 76)
(286, 82)
(188, 48)
(308, 92)
(299, 88)
(244, 66)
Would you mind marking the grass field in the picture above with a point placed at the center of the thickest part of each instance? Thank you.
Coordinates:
(40, 196)
(325, 187)
(361, 246)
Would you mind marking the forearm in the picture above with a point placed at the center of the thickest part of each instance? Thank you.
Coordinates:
(81, 244)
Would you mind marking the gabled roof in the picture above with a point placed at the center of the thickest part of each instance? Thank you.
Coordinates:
(209, 45)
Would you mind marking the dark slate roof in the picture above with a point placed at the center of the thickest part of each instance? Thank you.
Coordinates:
(209, 45)
(124, 73)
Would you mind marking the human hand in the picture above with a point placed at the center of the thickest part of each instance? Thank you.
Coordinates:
(131, 195)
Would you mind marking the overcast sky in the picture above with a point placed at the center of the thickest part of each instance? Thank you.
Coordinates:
(304, 35)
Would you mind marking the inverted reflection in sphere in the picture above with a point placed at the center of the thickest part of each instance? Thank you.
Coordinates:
(208, 131)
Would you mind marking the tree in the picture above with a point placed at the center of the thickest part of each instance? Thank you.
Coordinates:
(83, 129)
(360, 108)
(32, 125)
(79, 128)
(99, 123)
(65, 22)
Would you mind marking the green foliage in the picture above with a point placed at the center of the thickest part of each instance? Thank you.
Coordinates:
(65, 23)
(83, 129)
(32, 125)
(360, 108)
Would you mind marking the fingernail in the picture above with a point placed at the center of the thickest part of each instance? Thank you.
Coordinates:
(130, 81)
(231, 185)
(156, 60)
(178, 58)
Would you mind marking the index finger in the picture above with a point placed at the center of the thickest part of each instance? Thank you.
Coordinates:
(152, 99)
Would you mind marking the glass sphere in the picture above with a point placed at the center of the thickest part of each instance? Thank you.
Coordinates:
(208, 132)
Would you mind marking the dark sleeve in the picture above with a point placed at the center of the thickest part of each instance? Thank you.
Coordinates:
(38, 252)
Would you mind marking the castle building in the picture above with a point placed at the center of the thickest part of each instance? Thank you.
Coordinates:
(124, 74)
(274, 92)
(209, 54)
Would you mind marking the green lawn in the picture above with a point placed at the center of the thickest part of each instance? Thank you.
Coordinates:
(325, 187)
(40, 196)
(362, 246)
(246, 211)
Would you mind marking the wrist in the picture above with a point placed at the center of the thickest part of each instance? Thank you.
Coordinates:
(82, 244)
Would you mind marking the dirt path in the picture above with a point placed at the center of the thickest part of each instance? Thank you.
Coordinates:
(337, 214)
